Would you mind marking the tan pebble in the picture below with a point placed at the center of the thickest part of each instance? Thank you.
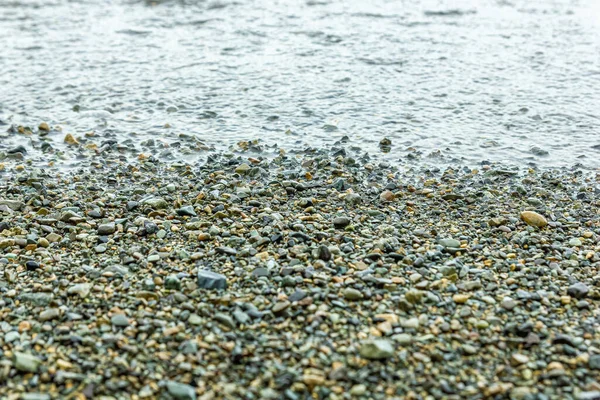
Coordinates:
(70, 139)
(62, 364)
(534, 219)
(203, 236)
(555, 365)
(565, 299)
(313, 380)
(518, 359)
(460, 298)
(588, 234)
(44, 127)
(24, 326)
(387, 196)
(263, 256)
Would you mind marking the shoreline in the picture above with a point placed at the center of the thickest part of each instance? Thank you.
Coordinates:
(344, 277)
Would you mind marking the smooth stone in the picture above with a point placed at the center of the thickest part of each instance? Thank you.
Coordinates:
(14, 205)
(186, 211)
(341, 222)
(172, 282)
(376, 349)
(11, 336)
(578, 290)
(35, 396)
(534, 219)
(119, 320)
(32, 265)
(594, 361)
(157, 203)
(49, 314)
(26, 362)
(575, 242)
(82, 289)
(352, 294)
(449, 243)
(181, 391)
(211, 280)
(225, 320)
(280, 306)
(107, 229)
(242, 168)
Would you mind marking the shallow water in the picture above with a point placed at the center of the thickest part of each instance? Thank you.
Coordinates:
(508, 80)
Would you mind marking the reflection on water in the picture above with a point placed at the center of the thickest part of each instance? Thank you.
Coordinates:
(515, 81)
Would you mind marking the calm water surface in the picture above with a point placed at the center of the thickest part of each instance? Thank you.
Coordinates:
(500, 80)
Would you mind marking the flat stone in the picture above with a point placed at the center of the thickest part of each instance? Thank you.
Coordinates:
(53, 237)
(280, 306)
(594, 361)
(172, 282)
(578, 290)
(181, 391)
(11, 336)
(12, 204)
(225, 319)
(157, 203)
(377, 349)
(119, 320)
(226, 250)
(107, 229)
(49, 314)
(341, 222)
(82, 289)
(195, 319)
(186, 211)
(211, 280)
(32, 265)
(575, 242)
(534, 219)
(449, 243)
(26, 362)
(352, 294)
(35, 396)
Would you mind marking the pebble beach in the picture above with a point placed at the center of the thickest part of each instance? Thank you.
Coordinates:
(299, 200)
(297, 276)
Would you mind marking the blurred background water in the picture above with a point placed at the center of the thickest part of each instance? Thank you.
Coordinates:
(500, 80)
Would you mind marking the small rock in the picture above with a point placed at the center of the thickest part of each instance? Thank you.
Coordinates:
(594, 361)
(26, 362)
(518, 359)
(575, 242)
(181, 391)
(32, 265)
(449, 243)
(352, 294)
(157, 203)
(82, 289)
(387, 196)
(341, 222)
(119, 320)
(377, 349)
(70, 140)
(578, 290)
(211, 280)
(107, 229)
(172, 282)
(534, 219)
(186, 211)
(49, 314)
(242, 168)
